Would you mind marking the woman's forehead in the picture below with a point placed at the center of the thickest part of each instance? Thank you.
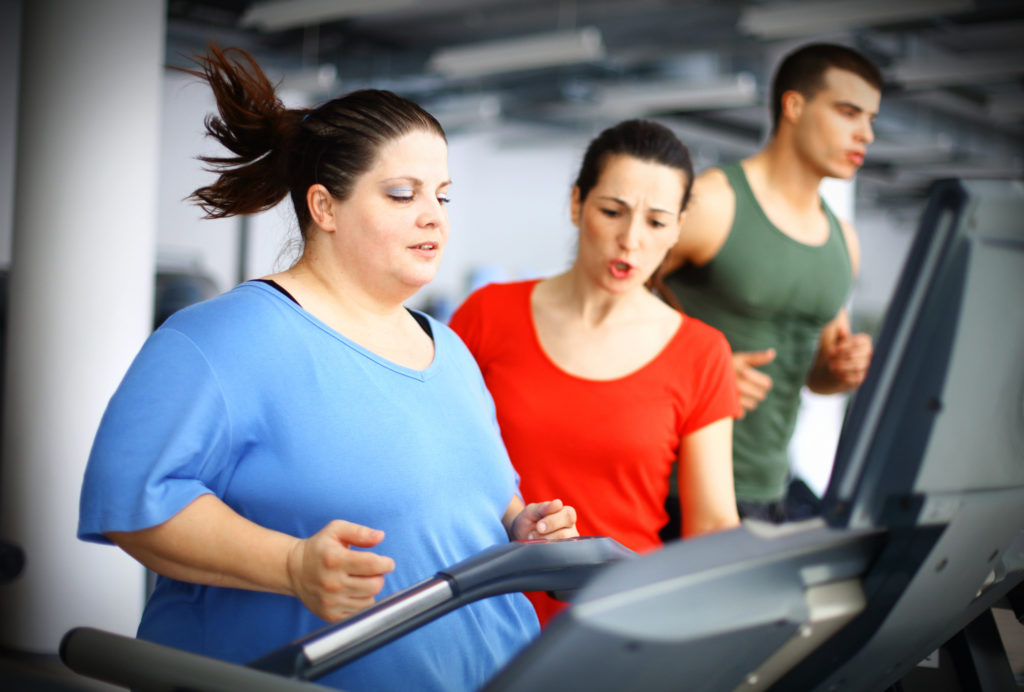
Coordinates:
(627, 175)
(418, 154)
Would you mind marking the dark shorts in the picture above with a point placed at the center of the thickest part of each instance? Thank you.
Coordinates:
(800, 503)
(774, 512)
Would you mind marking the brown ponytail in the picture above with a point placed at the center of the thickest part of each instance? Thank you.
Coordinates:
(253, 125)
(279, 151)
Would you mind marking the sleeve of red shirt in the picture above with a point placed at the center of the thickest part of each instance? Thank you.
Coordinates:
(716, 394)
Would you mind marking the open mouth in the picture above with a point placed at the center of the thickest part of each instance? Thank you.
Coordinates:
(428, 247)
(621, 269)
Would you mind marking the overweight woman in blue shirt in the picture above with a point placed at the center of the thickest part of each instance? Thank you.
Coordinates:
(287, 452)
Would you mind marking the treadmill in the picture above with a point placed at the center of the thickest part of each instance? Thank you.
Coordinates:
(922, 530)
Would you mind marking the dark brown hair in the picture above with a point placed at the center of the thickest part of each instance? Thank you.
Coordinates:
(642, 139)
(279, 151)
(804, 69)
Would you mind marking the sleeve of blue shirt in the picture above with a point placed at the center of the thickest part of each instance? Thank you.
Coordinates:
(162, 442)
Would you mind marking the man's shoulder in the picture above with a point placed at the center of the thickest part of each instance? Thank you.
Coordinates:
(708, 218)
(712, 195)
(712, 181)
(852, 244)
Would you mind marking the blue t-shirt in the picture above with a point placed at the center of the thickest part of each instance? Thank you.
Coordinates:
(251, 398)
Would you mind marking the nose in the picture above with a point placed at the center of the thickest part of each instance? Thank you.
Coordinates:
(866, 133)
(629, 236)
(432, 213)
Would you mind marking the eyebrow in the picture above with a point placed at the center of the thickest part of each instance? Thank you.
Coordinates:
(416, 182)
(854, 106)
(623, 203)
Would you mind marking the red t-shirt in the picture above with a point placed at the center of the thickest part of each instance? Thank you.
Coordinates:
(606, 447)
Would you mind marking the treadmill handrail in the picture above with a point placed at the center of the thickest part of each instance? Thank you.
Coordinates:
(559, 565)
(150, 667)
(521, 566)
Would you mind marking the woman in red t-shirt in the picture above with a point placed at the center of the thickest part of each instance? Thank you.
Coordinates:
(600, 387)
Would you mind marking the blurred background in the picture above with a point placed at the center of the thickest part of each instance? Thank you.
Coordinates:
(98, 146)
(521, 85)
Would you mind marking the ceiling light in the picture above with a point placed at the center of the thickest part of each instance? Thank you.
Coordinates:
(274, 15)
(707, 141)
(791, 19)
(312, 80)
(461, 111)
(523, 53)
(943, 71)
(733, 91)
(910, 150)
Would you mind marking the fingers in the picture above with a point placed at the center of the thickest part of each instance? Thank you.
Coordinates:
(335, 540)
(354, 534)
(553, 520)
(359, 563)
(854, 346)
(349, 583)
(331, 578)
(850, 358)
(752, 384)
(755, 359)
(536, 511)
(559, 525)
(753, 387)
(344, 596)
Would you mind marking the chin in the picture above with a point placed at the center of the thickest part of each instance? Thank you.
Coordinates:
(422, 274)
(418, 282)
(620, 286)
(844, 171)
(420, 279)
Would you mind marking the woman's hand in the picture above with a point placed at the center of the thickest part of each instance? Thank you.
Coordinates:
(331, 578)
(545, 520)
(207, 542)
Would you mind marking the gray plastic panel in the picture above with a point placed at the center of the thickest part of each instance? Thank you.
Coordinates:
(968, 451)
(938, 602)
(700, 614)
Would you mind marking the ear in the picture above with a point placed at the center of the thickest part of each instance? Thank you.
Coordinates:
(575, 206)
(793, 103)
(321, 207)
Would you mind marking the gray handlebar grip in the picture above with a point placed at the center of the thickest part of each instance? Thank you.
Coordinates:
(148, 667)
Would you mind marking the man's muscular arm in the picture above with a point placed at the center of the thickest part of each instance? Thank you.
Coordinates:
(843, 358)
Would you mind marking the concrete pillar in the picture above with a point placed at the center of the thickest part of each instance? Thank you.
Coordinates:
(81, 293)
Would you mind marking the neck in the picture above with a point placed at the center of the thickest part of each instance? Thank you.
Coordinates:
(590, 304)
(779, 169)
(335, 293)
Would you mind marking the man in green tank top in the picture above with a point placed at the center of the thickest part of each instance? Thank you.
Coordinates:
(762, 258)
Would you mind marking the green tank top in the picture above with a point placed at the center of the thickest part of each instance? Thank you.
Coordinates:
(763, 290)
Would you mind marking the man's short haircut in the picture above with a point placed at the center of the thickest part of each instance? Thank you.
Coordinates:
(804, 69)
